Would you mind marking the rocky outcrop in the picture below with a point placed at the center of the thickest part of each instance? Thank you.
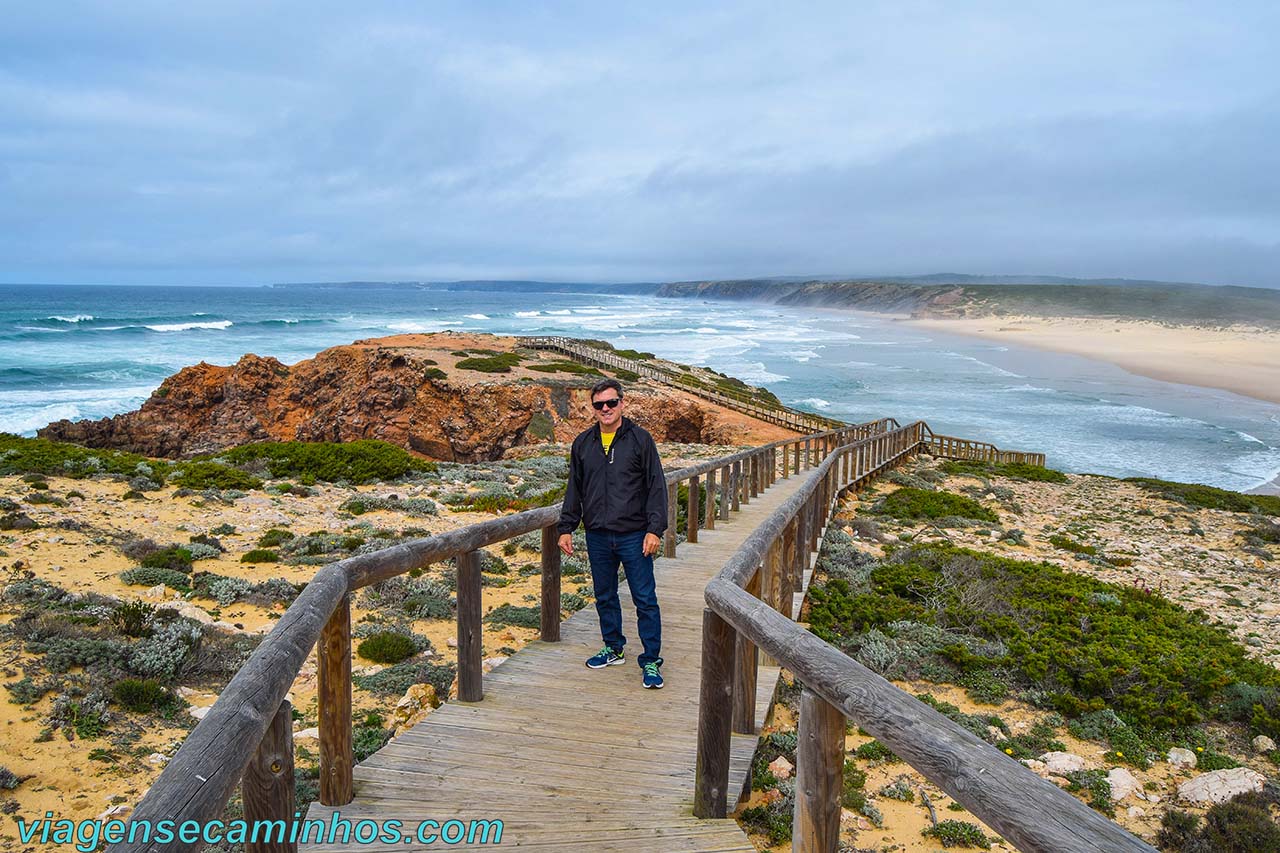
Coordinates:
(405, 390)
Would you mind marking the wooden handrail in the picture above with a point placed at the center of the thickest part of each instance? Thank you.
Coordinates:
(197, 783)
(1031, 812)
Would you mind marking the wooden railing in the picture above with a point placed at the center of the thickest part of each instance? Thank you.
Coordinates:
(246, 738)
(950, 447)
(738, 400)
(749, 611)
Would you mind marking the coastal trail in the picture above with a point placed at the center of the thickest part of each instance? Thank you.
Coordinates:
(570, 758)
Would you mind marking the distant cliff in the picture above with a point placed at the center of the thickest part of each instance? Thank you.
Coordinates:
(407, 390)
(1189, 304)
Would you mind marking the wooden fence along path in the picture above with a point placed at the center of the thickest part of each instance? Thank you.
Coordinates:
(571, 758)
(575, 759)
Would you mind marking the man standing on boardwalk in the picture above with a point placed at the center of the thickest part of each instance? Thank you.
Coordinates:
(618, 490)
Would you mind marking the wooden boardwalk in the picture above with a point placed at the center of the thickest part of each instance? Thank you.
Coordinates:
(570, 758)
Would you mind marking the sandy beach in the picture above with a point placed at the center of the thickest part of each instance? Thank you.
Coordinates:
(1241, 360)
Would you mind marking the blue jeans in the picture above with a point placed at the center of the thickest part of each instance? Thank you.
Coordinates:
(605, 550)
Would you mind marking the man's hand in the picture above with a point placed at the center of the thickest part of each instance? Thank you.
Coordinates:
(566, 544)
(651, 544)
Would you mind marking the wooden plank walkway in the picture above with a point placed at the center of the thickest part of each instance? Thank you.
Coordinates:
(571, 758)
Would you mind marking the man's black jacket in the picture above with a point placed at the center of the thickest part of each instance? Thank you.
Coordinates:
(623, 491)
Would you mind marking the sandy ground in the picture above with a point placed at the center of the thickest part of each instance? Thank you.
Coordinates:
(1242, 360)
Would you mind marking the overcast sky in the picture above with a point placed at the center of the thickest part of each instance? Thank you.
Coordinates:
(250, 142)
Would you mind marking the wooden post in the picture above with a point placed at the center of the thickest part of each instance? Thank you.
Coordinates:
(744, 673)
(266, 788)
(692, 511)
(790, 558)
(715, 718)
(710, 521)
(550, 584)
(757, 471)
(819, 776)
(736, 501)
(797, 459)
(333, 695)
(771, 585)
(744, 481)
(470, 671)
(669, 540)
(726, 488)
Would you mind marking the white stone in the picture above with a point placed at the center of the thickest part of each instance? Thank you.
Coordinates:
(489, 663)
(1263, 744)
(117, 811)
(55, 568)
(1218, 786)
(1059, 763)
(996, 735)
(157, 758)
(1180, 757)
(307, 734)
(1136, 811)
(451, 642)
(781, 768)
(199, 713)
(1122, 783)
(1035, 766)
(156, 591)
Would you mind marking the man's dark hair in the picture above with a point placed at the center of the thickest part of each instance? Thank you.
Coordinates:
(604, 385)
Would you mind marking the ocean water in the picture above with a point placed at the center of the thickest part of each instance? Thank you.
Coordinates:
(90, 352)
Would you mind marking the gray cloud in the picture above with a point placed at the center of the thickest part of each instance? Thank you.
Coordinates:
(238, 143)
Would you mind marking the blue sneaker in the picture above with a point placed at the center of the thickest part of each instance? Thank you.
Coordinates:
(605, 657)
(652, 678)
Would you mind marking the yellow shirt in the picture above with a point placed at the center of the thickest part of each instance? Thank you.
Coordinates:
(606, 438)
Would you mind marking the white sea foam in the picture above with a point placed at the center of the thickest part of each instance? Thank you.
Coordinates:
(75, 318)
(478, 316)
(184, 327)
(815, 402)
(413, 326)
(561, 313)
(40, 329)
(528, 313)
(802, 355)
(1248, 437)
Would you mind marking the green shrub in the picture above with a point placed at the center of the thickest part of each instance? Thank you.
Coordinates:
(1209, 497)
(565, 367)
(1012, 470)
(512, 614)
(1242, 824)
(1066, 543)
(152, 577)
(363, 461)
(395, 680)
(1144, 656)
(957, 833)
(141, 695)
(875, 751)
(434, 373)
(261, 555)
(387, 647)
(366, 740)
(635, 355)
(203, 474)
(500, 363)
(173, 557)
(409, 506)
(133, 618)
(20, 455)
(912, 504)
(274, 538)
(221, 530)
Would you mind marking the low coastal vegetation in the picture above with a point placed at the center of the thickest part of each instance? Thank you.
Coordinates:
(1037, 611)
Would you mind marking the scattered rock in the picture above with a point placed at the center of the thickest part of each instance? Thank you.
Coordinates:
(1263, 745)
(199, 713)
(451, 642)
(489, 663)
(781, 768)
(117, 811)
(1122, 783)
(1061, 763)
(55, 568)
(1218, 786)
(1180, 757)
(1136, 811)
(157, 758)
(1036, 766)
(418, 701)
(308, 734)
(157, 591)
(996, 735)
(770, 796)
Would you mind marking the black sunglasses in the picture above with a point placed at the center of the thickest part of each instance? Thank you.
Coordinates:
(612, 403)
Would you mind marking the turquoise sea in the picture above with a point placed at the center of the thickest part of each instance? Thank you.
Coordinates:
(93, 351)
